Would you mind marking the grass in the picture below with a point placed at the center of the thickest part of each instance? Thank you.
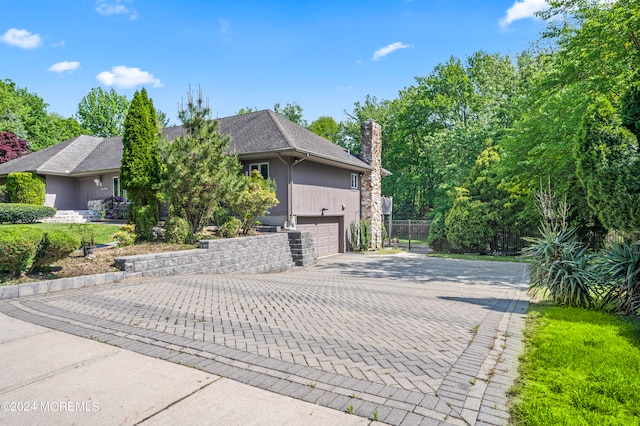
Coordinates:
(478, 257)
(416, 241)
(580, 367)
(104, 231)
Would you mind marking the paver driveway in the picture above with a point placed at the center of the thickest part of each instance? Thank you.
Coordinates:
(404, 339)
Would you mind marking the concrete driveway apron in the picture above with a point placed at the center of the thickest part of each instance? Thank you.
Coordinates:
(402, 339)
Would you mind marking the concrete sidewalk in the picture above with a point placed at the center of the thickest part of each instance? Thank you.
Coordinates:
(53, 378)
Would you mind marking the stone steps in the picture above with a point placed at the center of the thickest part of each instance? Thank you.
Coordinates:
(73, 216)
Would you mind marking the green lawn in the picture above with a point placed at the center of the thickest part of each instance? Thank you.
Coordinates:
(478, 257)
(104, 232)
(580, 367)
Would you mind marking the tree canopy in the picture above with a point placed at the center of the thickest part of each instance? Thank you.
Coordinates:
(103, 112)
(25, 115)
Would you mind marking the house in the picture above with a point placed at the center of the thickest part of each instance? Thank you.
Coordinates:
(321, 187)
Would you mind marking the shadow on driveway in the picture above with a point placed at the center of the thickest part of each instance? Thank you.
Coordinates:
(419, 268)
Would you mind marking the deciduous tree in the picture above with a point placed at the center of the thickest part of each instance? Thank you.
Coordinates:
(102, 112)
(11, 147)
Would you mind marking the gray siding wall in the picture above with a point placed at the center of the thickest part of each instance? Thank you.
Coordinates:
(61, 192)
(277, 172)
(317, 186)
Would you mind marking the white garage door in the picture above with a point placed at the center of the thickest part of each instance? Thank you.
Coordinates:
(325, 231)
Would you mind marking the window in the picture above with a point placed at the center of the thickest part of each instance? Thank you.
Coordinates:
(262, 168)
(354, 181)
(117, 189)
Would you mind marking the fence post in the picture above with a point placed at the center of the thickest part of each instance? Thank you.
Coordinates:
(409, 234)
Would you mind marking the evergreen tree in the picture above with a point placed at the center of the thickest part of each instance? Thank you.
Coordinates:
(140, 169)
(608, 165)
(199, 173)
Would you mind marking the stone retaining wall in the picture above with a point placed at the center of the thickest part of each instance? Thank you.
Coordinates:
(263, 253)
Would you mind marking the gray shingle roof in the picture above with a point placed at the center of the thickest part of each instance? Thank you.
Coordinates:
(260, 132)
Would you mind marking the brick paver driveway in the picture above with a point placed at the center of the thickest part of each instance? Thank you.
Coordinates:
(404, 339)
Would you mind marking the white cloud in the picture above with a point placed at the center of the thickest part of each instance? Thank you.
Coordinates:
(61, 67)
(382, 52)
(522, 10)
(115, 7)
(126, 77)
(21, 38)
(345, 87)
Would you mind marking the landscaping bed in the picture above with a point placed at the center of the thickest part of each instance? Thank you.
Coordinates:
(102, 262)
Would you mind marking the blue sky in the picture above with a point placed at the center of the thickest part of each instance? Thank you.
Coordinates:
(324, 55)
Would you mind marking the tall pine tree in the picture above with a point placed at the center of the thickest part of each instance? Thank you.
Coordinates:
(199, 174)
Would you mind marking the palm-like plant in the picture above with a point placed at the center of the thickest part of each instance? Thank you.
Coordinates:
(560, 266)
(620, 263)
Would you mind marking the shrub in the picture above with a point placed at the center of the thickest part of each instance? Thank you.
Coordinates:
(178, 230)
(18, 248)
(24, 213)
(365, 235)
(436, 238)
(255, 200)
(620, 270)
(4, 195)
(55, 245)
(561, 267)
(25, 188)
(114, 208)
(353, 237)
(145, 219)
(126, 236)
(230, 228)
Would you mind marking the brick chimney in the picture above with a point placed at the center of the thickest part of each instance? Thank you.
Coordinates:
(371, 196)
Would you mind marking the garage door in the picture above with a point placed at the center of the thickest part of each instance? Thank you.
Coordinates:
(325, 231)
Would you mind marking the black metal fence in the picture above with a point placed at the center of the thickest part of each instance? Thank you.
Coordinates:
(505, 242)
(401, 229)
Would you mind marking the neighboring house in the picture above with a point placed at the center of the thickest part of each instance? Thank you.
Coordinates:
(321, 187)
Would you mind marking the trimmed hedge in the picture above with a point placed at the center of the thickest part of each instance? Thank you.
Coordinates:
(24, 213)
(25, 188)
(55, 245)
(18, 248)
(23, 248)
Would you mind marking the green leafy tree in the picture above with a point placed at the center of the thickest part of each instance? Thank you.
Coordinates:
(199, 173)
(326, 127)
(481, 207)
(25, 114)
(608, 165)
(292, 111)
(66, 128)
(246, 110)
(103, 112)
(257, 198)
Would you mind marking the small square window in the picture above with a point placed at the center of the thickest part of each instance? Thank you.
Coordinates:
(354, 181)
(262, 168)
